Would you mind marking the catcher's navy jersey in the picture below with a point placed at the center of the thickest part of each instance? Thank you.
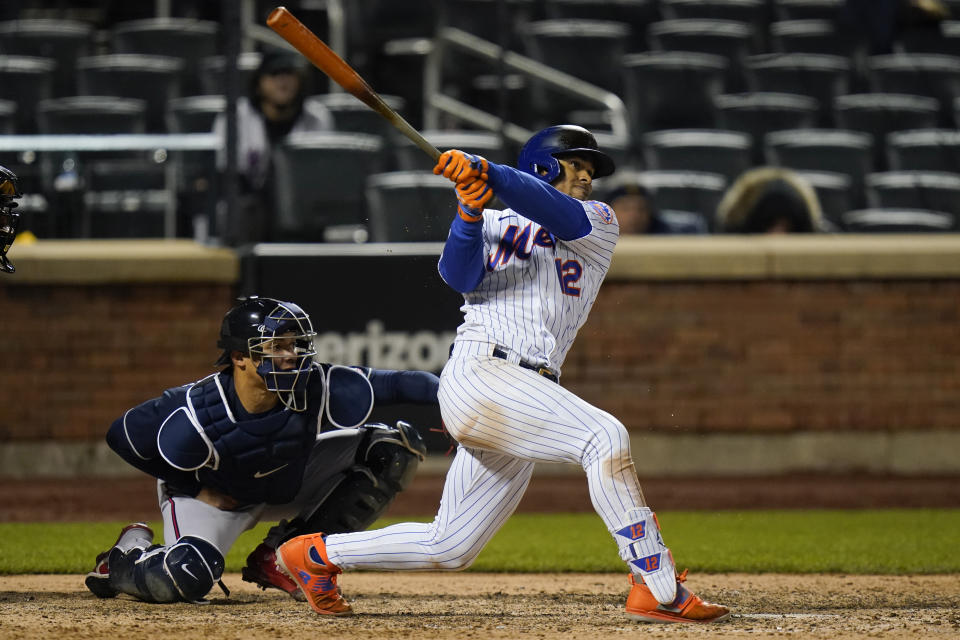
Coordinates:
(200, 435)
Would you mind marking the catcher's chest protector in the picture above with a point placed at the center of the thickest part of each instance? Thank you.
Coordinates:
(257, 460)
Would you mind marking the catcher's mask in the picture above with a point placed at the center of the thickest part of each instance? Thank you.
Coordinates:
(9, 219)
(541, 151)
(280, 336)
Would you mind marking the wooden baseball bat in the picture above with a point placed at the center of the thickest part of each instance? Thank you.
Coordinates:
(324, 58)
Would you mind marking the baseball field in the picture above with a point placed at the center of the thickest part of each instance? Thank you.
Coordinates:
(803, 573)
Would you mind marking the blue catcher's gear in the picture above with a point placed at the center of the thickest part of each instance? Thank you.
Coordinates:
(183, 572)
(9, 219)
(279, 335)
(541, 151)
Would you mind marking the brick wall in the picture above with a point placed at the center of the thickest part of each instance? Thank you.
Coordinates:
(779, 356)
(77, 356)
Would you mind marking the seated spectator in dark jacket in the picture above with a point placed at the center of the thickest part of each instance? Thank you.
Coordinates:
(769, 200)
(637, 213)
(274, 108)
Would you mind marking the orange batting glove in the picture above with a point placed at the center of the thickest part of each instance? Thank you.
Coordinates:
(473, 196)
(461, 167)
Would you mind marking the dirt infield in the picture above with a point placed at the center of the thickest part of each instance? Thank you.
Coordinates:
(478, 605)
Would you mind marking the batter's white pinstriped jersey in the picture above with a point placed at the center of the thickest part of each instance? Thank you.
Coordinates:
(538, 289)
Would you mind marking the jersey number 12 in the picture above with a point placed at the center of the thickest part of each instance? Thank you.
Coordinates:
(569, 273)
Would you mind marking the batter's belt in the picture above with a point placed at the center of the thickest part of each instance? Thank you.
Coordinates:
(499, 352)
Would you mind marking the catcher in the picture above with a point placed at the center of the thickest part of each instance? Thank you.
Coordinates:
(9, 219)
(273, 435)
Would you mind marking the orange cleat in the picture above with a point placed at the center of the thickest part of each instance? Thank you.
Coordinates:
(687, 607)
(304, 559)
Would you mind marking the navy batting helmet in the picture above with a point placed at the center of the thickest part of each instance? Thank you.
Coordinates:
(542, 150)
(9, 219)
(273, 332)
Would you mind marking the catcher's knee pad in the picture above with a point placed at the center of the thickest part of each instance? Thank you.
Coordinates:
(185, 571)
(387, 460)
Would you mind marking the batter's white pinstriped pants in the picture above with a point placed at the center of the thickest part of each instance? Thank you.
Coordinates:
(506, 418)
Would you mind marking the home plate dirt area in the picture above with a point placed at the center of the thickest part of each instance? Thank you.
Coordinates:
(483, 605)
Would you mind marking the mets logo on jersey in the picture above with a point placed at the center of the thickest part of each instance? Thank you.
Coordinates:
(602, 210)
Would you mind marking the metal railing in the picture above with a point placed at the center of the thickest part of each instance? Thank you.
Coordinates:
(158, 144)
(435, 102)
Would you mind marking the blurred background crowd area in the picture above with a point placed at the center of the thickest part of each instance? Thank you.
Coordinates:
(724, 116)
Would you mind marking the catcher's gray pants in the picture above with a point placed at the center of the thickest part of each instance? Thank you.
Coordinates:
(184, 516)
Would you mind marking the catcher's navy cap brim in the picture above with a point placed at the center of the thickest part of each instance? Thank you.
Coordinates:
(223, 359)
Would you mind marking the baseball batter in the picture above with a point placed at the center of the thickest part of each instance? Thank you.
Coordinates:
(529, 275)
(272, 436)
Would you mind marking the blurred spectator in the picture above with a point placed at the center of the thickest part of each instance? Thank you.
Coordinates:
(769, 200)
(274, 108)
(883, 21)
(637, 213)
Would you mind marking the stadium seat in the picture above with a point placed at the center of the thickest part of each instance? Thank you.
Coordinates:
(690, 191)
(638, 14)
(155, 79)
(194, 114)
(814, 36)
(751, 12)
(881, 113)
(760, 113)
(480, 18)
(834, 193)
(26, 80)
(489, 145)
(91, 115)
(351, 115)
(8, 115)
(590, 50)
(190, 40)
(320, 180)
(924, 150)
(213, 71)
(673, 89)
(819, 76)
(60, 40)
(936, 76)
(807, 9)
(936, 191)
(728, 153)
(898, 221)
(835, 150)
(410, 206)
(726, 38)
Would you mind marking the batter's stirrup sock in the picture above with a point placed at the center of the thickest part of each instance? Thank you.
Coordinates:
(641, 546)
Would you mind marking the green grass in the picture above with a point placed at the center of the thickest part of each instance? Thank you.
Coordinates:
(864, 542)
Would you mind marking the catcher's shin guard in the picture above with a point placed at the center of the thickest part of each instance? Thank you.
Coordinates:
(686, 607)
(641, 546)
(304, 559)
(136, 535)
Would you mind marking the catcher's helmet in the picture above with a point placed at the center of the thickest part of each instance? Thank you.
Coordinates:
(272, 331)
(9, 219)
(544, 147)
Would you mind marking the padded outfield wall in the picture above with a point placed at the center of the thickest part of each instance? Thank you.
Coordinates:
(721, 355)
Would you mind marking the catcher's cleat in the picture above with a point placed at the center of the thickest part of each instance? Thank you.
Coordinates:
(304, 559)
(687, 607)
(132, 535)
(262, 570)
